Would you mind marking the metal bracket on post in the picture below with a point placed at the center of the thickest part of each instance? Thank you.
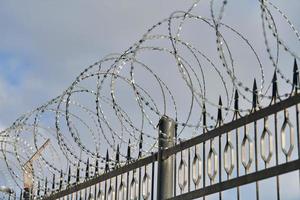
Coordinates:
(165, 165)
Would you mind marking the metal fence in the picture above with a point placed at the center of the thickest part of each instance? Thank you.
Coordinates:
(57, 150)
(262, 144)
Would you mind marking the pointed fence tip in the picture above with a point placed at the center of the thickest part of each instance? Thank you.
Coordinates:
(69, 174)
(78, 173)
(274, 87)
(87, 170)
(254, 95)
(53, 181)
(97, 164)
(107, 160)
(204, 115)
(220, 101)
(118, 153)
(236, 100)
(295, 65)
(274, 76)
(254, 85)
(204, 106)
(128, 151)
(295, 74)
(236, 94)
(107, 155)
(220, 111)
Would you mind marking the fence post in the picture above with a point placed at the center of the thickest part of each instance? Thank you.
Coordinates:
(165, 165)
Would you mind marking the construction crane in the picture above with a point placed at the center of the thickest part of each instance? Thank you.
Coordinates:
(28, 170)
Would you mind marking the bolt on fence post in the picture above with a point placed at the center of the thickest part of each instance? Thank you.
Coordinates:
(165, 165)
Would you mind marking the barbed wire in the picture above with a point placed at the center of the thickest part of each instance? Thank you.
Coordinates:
(116, 103)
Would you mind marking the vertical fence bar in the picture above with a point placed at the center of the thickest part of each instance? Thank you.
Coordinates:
(276, 156)
(237, 161)
(116, 166)
(220, 164)
(298, 134)
(152, 180)
(165, 165)
(140, 169)
(175, 162)
(219, 123)
(140, 183)
(274, 98)
(116, 188)
(95, 191)
(236, 115)
(189, 170)
(204, 154)
(254, 107)
(295, 92)
(256, 158)
(127, 175)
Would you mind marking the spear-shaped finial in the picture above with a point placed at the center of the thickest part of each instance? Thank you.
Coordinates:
(140, 145)
(176, 128)
(97, 165)
(295, 76)
(46, 186)
(87, 169)
(69, 175)
(107, 160)
(118, 156)
(204, 115)
(53, 182)
(254, 95)
(220, 111)
(61, 180)
(274, 87)
(128, 152)
(78, 173)
(236, 101)
(38, 188)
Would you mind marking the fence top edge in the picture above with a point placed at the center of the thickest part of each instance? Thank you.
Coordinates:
(254, 116)
(104, 177)
(227, 127)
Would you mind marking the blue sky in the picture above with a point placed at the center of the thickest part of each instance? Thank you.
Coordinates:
(44, 45)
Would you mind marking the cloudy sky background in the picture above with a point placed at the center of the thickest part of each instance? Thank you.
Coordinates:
(44, 45)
